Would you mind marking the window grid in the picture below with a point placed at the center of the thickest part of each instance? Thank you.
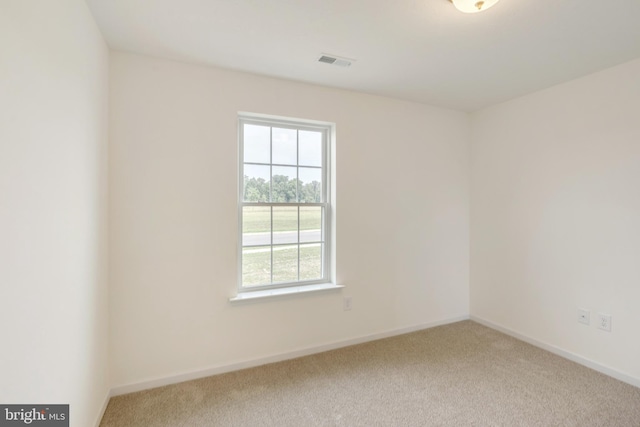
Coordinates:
(321, 241)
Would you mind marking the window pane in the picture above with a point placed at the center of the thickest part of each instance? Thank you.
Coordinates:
(310, 148)
(256, 266)
(284, 184)
(285, 263)
(285, 151)
(310, 185)
(256, 225)
(310, 223)
(256, 144)
(282, 172)
(285, 224)
(256, 183)
(311, 261)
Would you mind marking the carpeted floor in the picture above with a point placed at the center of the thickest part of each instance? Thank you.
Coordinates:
(462, 374)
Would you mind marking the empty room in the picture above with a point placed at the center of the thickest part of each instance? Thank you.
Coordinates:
(319, 213)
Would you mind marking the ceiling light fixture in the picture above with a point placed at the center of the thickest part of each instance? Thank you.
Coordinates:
(473, 6)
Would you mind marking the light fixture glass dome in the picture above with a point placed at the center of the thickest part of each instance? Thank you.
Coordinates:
(473, 6)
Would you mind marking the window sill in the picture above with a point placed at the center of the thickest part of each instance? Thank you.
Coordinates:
(292, 290)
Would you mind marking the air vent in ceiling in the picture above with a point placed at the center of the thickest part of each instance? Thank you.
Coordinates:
(327, 59)
(334, 60)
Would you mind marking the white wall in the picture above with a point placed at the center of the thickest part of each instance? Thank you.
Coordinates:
(555, 215)
(402, 218)
(53, 129)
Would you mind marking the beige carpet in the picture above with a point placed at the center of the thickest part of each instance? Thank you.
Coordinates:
(462, 374)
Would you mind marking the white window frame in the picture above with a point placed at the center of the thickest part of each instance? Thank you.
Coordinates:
(327, 130)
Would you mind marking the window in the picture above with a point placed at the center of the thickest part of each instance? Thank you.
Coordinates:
(283, 204)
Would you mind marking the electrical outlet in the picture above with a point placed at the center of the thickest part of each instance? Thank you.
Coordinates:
(604, 322)
(346, 303)
(584, 316)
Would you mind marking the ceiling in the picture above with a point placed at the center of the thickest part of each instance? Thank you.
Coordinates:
(420, 50)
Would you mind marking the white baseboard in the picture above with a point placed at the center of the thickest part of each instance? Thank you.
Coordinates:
(562, 353)
(215, 370)
(103, 409)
